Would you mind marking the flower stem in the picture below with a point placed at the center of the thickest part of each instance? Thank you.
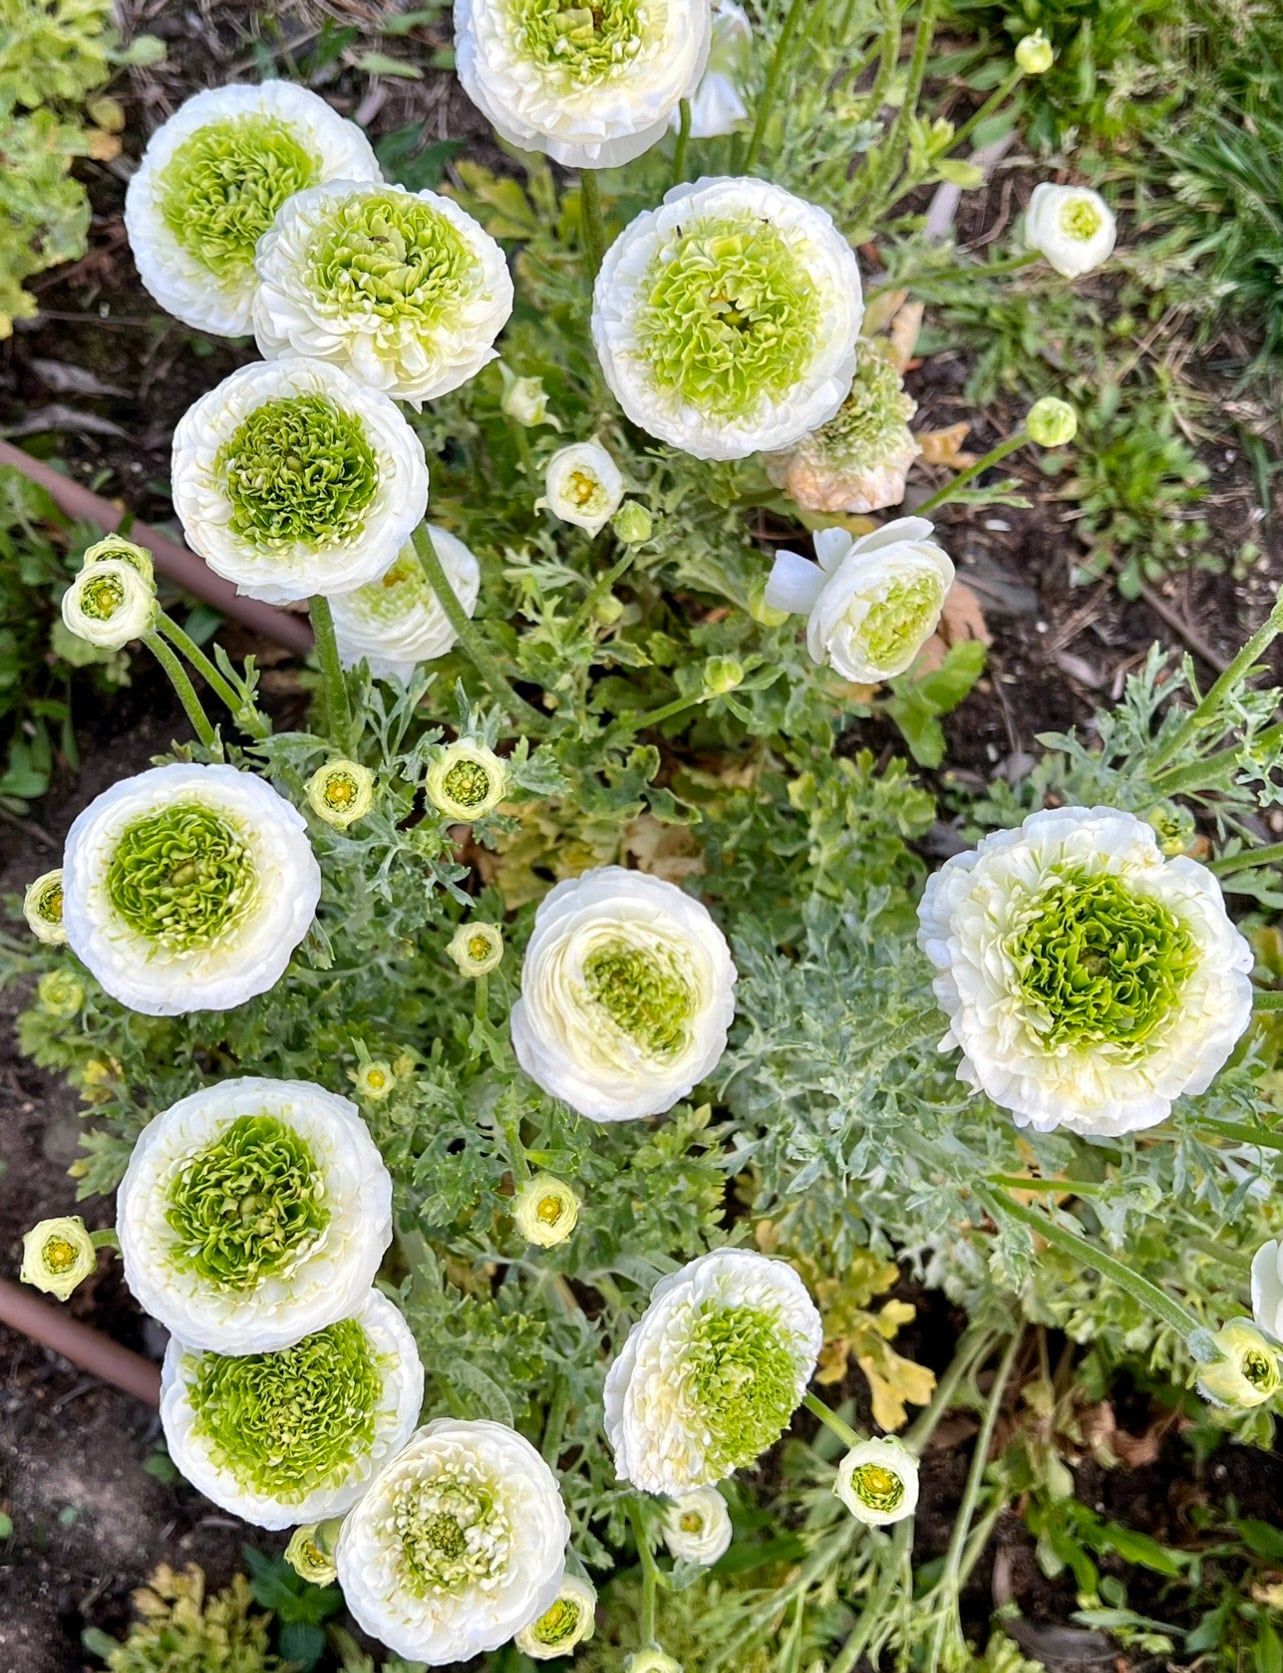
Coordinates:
(243, 712)
(1233, 676)
(764, 106)
(338, 708)
(942, 495)
(555, 1423)
(683, 136)
(871, 1614)
(510, 1126)
(1206, 771)
(186, 691)
(594, 229)
(1267, 999)
(650, 1572)
(831, 1420)
(888, 169)
(468, 637)
(1228, 864)
(1240, 1133)
(996, 98)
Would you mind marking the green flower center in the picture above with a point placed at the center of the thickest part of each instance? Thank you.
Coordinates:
(579, 45)
(467, 784)
(452, 1530)
(287, 1423)
(1098, 964)
(393, 256)
(298, 469)
(743, 1382)
(48, 902)
(248, 1205)
(559, 1624)
(101, 596)
(643, 992)
(1080, 219)
(479, 948)
(896, 625)
(181, 878)
(871, 426)
(876, 1486)
(690, 1522)
(58, 1255)
(728, 316)
(340, 790)
(1260, 1369)
(397, 592)
(221, 189)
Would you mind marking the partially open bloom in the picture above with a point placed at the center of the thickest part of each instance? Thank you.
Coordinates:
(210, 183)
(1267, 1288)
(1248, 1373)
(525, 400)
(652, 1661)
(253, 1213)
(1034, 54)
(476, 948)
(374, 1080)
(871, 603)
(582, 485)
(1071, 227)
(713, 1371)
(395, 623)
(627, 995)
(341, 792)
(42, 908)
(459, 1543)
(593, 87)
(1088, 981)
(466, 780)
(310, 1557)
(569, 1622)
(187, 888)
(60, 994)
(717, 104)
(114, 548)
(860, 459)
(697, 1527)
(403, 290)
(295, 1434)
(1052, 422)
(878, 1482)
(545, 1210)
(725, 321)
(108, 604)
(290, 479)
(57, 1255)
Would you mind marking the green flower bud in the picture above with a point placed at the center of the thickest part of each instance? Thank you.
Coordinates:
(632, 523)
(1248, 1372)
(1034, 54)
(57, 1255)
(760, 610)
(722, 674)
(42, 908)
(60, 993)
(652, 1661)
(341, 792)
(545, 1210)
(476, 948)
(608, 610)
(525, 400)
(116, 549)
(1051, 422)
(1174, 827)
(309, 1556)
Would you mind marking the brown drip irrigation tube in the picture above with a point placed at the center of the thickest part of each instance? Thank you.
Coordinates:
(172, 560)
(89, 1349)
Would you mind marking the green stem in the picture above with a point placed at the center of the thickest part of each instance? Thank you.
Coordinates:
(594, 229)
(1267, 999)
(791, 20)
(1240, 1133)
(631, 723)
(996, 98)
(555, 1424)
(892, 36)
(972, 472)
(871, 1614)
(183, 686)
(518, 1161)
(650, 1573)
(338, 707)
(971, 1350)
(683, 139)
(601, 586)
(888, 165)
(1233, 676)
(468, 637)
(921, 277)
(1246, 859)
(831, 1420)
(211, 674)
(1204, 773)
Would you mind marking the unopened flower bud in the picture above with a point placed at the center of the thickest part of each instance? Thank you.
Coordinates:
(1052, 422)
(632, 523)
(108, 604)
(341, 792)
(42, 908)
(1174, 826)
(476, 948)
(466, 781)
(309, 1557)
(60, 994)
(652, 1661)
(545, 1210)
(116, 549)
(722, 674)
(525, 400)
(57, 1255)
(1034, 54)
(608, 610)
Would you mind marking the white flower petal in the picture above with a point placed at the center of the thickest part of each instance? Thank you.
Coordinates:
(397, 622)
(582, 485)
(1071, 227)
(877, 1481)
(697, 1526)
(794, 584)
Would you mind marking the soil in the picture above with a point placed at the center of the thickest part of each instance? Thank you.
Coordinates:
(89, 1520)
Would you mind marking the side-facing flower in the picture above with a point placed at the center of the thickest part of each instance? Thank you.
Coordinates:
(545, 1210)
(627, 995)
(582, 485)
(725, 321)
(1071, 227)
(295, 1434)
(309, 1557)
(1267, 1288)
(397, 622)
(187, 888)
(253, 1213)
(108, 604)
(525, 400)
(859, 460)
(593, 87)
(114, 548)
(560, 1630)
(290, 479)
(466, 780)
(341, 792)
(713, 1371)
(210, 183)
(697, 1527)
(652, 1661)
(878, 1482)
(871, 603)
(476, 948)
(42, 908)
(404, 290)
(57, 1255)
(459, 1543)
(1088, 981)
(1248, 1373)
(717, 104)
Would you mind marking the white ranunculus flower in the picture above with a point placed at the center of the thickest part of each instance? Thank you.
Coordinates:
(294, 1435)
(725, 321)
(570, 1621)
(878, 1482)
(57, 1256)
(42, 908)
(593, 87)
(582, 485)
(627, 994)
(210, 183)
(187, 888)
(1071, 227)
(291, 479)
(697, 1527)
(108, 604)
(1267, 1288)
(872, 602)
(1248, 1372)
(717, 104)
(1088, 981)
(403, 290)
(712, 1372)
(459, 1543)
(545, 1210)
(252, 1213)
(397, 622)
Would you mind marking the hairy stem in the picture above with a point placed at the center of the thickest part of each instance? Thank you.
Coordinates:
(871, 1614)
(594, 229)
(244, 713)
(338, 706)
(780, 57)
(943, 495)
(183, 686)
(683, 139)
(998, 97)
(650, 1572)
(1234, 675)
(831, 1420)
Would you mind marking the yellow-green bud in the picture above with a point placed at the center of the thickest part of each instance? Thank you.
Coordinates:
(608, 610)
(760, 610)
(1174, 826)
(116, 549)
(632, 523)
(545, 1210)
(722, 674)
(1051, 422)
(341, 792)
(652, 1661)
(1248, 1372)
(60, 993)
(42, 908)
(57, 1255)
(1034, 54)
(373, 1081)
(476, 948)
(525, 400)
(466, 781)
(308, 1555)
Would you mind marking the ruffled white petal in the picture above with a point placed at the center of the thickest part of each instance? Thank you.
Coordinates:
(1267, 1289)
(697, 1527)
(863, 574)
(397, 622)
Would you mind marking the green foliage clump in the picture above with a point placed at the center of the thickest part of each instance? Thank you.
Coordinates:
(181, 1630)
